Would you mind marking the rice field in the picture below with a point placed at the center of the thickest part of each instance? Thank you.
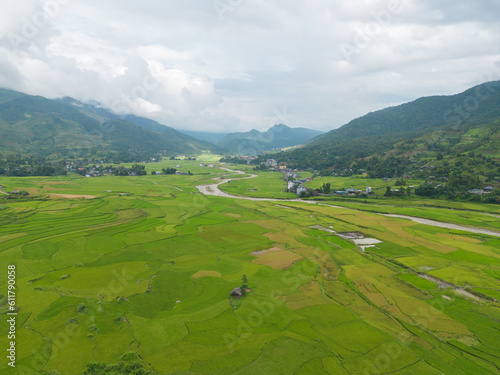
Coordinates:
(150, 273)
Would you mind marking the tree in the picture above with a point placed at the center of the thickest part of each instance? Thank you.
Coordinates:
(427, 190)
(153, 172)
(169, 170)
(400, 182)
(244, 284)
(326, 188)
(388, 192)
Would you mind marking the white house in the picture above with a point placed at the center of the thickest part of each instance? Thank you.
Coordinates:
(301, 189)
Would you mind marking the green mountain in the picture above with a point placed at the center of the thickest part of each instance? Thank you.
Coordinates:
(214, 138)
(458, 132)
(65, 127)
(277, 137)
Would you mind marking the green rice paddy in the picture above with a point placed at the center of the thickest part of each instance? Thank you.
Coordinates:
(150, 273)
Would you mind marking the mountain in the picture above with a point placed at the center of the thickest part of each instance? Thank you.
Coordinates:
(277, 137)
(65, 127)
(437, 130)
(479, 104)
(214, 138)
(170, 133)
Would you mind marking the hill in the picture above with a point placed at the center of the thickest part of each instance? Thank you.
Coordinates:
(36, 125)
(277, 137)
(450, 133)
(214, 138)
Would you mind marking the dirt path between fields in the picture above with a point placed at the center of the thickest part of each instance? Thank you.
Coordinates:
(213, 189)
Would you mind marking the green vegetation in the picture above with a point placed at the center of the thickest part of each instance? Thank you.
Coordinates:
(139, 283)
(68, 130)
(277, 137)
(432, 139)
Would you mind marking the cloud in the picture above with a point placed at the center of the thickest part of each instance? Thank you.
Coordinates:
(230, 65)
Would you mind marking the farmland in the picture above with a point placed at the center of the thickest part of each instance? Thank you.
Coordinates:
(112, 266)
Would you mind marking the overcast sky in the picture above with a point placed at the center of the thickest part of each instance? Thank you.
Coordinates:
(234, 65)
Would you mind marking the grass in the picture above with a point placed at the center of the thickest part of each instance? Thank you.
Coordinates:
(153, 272)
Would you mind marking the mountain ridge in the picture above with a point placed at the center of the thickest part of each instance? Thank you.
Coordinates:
(255, 141)
(65, 127)
(456, 133)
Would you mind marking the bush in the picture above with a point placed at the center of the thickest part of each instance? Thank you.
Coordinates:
(129, 356)
(82, 309)
(93, 328)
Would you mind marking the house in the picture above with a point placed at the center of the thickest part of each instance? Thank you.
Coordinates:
(369, 190)
(476, 191)
(236, 292)
(1, 186)
(487, 189)
(290, 184)
(301, 189)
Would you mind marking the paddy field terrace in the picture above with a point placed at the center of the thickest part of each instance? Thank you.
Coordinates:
(140, 269)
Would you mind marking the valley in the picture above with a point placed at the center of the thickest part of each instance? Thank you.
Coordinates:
(140, 268)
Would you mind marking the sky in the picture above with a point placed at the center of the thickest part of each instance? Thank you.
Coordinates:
(237, 65)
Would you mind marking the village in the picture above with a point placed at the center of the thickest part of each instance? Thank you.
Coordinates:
(295, 182)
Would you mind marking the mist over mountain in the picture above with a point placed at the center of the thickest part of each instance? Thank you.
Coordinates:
(65, 127)
(277, 137)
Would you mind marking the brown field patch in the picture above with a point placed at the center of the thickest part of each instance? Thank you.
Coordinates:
(278, 259)
(235, 216)
(199, 274)
(262, 252)
(72, 196)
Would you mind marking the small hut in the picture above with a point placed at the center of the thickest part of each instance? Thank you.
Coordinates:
(237, 292)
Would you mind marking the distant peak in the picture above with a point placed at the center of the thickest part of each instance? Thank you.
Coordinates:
(280, 126)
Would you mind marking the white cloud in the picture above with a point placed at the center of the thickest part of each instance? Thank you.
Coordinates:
(186, 66)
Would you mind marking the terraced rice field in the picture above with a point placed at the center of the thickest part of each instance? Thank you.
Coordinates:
(151, 273)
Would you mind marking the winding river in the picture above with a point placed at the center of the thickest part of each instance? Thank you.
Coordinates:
(213, 189)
